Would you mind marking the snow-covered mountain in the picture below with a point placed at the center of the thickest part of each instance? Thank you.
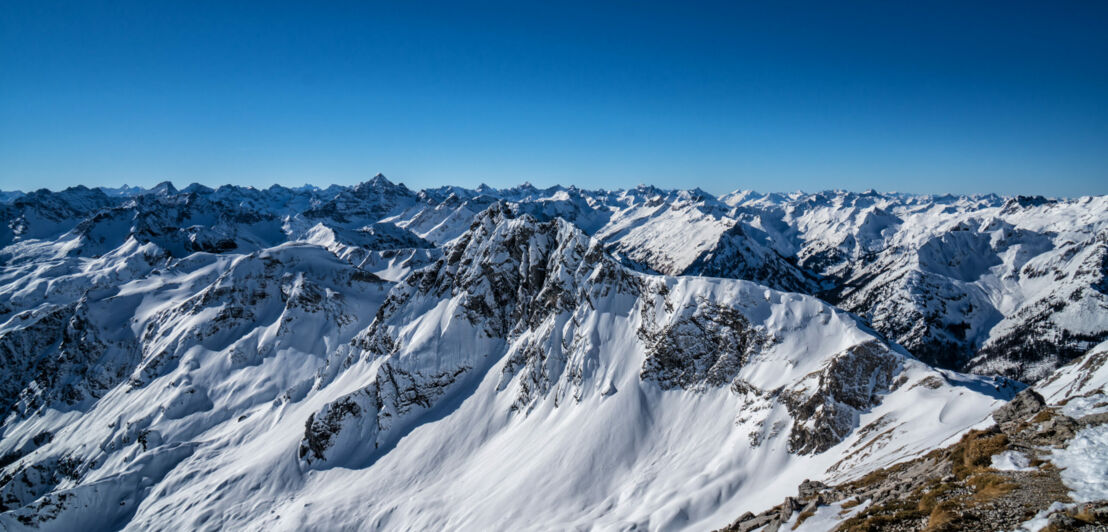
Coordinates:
(375, 357)
(1013, 286)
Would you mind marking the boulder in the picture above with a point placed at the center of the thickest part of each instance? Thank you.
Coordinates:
(788, 507)
(1057, 430)
(755, 523)
(1093, 420)
(1024, 405)
(809, 489)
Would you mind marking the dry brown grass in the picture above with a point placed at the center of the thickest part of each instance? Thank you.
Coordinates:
(802, 517)
(979, 452)
(873, 478)
(882, 517)
(988, 486)
(1043, 415)
(973, 454)
(943, 517)
(930, 500)
(851, 503)
(1085, 515)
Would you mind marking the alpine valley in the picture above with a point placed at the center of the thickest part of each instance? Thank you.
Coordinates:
(372, 357)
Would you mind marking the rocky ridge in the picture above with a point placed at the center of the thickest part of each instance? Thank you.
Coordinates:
(1001, 477)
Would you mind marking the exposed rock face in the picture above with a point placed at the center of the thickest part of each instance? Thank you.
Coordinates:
(1059, 324)
(809, 489)
(44, 214)
(848, 384)
(137, 320)
(38, 332)
(1082, 376)
(322, 427)
(356, 424)
(705, 345)
(510, 271)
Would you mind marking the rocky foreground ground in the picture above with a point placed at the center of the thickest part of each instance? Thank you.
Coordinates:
(971, 485)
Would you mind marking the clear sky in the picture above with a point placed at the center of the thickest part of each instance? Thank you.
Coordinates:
(1007, 97)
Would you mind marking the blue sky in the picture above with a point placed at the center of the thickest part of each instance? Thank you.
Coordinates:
(1006, 97)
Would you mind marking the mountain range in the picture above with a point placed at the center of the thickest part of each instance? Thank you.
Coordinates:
(380, 358)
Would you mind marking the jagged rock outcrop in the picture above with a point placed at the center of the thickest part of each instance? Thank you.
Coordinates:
(1024, 405)
(847, 385)
(702, 344)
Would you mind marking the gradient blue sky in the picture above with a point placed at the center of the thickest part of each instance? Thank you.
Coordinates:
(1006, 97)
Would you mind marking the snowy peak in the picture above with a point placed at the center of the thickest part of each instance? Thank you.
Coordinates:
(368, 201)
(165, 188)
(738, 255)
(379, 185)
(508, 265)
